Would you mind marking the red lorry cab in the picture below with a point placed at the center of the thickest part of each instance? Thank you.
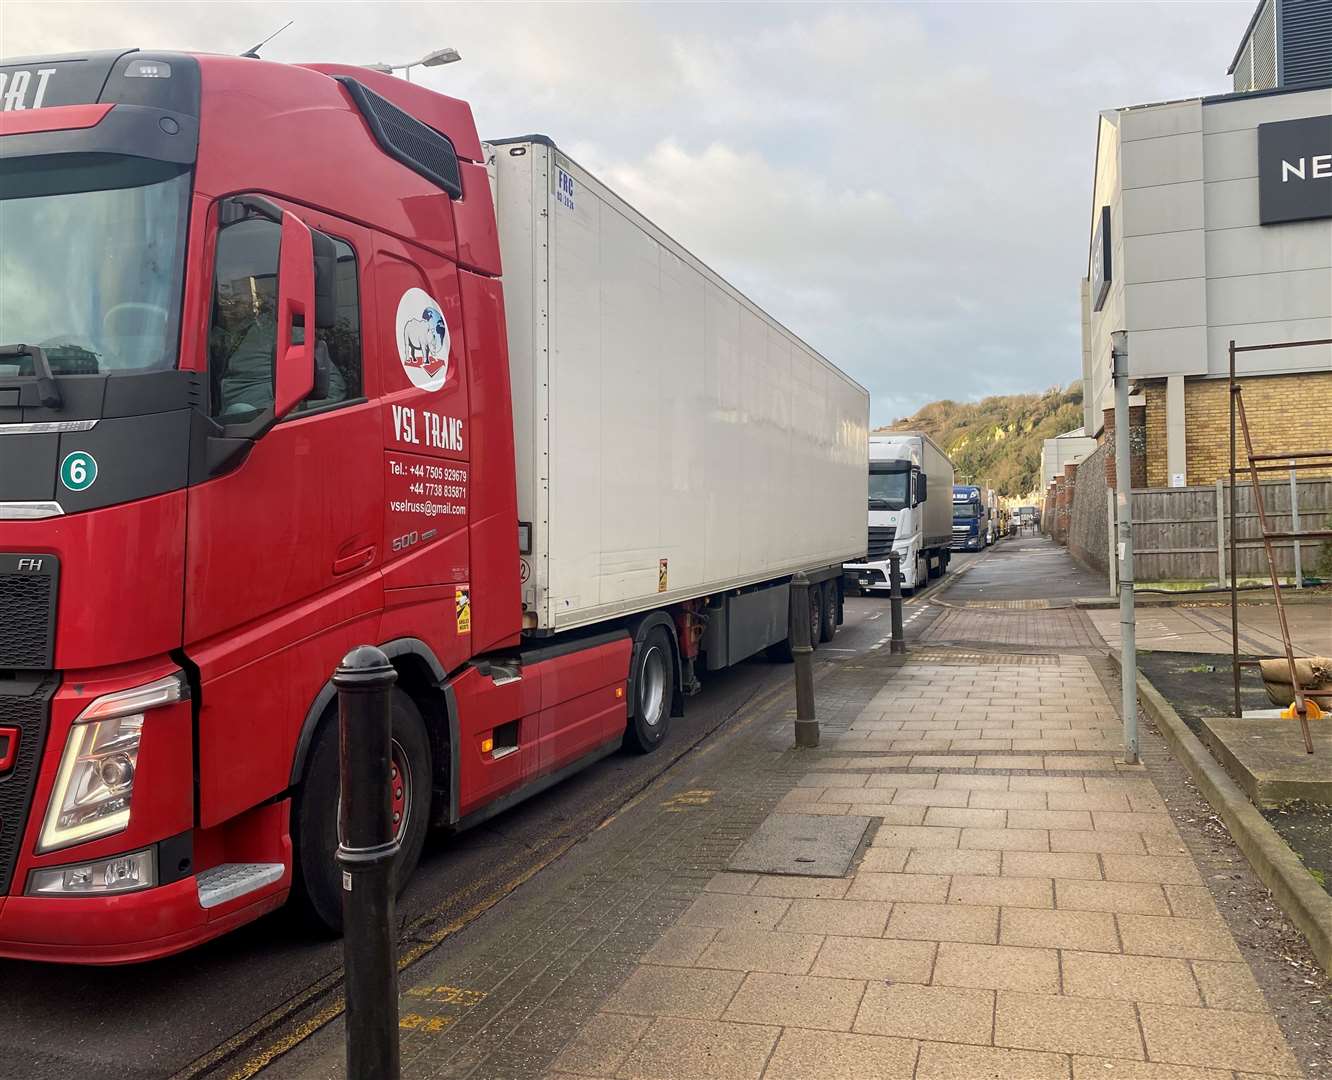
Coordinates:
(255, 411)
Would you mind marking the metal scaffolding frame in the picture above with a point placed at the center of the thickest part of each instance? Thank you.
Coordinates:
(1256, 463)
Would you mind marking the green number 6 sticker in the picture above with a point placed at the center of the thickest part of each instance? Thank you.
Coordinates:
(78, 470)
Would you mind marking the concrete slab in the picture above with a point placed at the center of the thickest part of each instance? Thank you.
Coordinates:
(1267, 758)
(803, 844)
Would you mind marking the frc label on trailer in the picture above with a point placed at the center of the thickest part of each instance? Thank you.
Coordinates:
(564, 188)
(423, 340)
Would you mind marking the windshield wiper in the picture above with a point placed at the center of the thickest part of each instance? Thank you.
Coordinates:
(48, 393)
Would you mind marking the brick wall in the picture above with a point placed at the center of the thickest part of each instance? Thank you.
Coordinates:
(1137, 445)
(1155, 423)
(1087, 523)
(1285, 412)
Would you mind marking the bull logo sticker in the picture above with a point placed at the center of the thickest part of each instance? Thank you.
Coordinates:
(423, 340)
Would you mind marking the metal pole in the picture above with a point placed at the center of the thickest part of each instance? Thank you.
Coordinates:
(806, 723)
(367, 845)
(1220, 534)
(1295, 525)
(1110, 533)
(1234, 549)
(1128, 646)
(1300, 708)
(895, 602)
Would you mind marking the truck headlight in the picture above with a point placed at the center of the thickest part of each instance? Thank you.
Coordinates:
(101, 877)
(95, 782)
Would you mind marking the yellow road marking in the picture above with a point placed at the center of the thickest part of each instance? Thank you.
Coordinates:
(677, 804)
(448, 995)
(432, 1025)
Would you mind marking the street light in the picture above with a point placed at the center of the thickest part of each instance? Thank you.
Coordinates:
(431, 59)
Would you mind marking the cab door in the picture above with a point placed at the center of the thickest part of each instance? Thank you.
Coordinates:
(426, 449)
(283, 551)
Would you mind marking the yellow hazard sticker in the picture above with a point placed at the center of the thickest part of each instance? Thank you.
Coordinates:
(462, 606)
(661, 575)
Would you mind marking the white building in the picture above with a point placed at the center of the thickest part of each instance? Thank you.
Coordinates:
(1211, 220)
(1066, 449)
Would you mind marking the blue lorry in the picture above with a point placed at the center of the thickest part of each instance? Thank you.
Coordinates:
(971, 518)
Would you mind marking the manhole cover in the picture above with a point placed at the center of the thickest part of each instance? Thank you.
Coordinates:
(802, 844)
(1010, 605)
(952, 656)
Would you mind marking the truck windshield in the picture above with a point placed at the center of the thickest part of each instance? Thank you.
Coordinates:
(966, 509)
(91, 252)
(888, 486)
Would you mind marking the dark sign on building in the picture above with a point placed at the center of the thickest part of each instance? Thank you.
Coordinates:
(1100, 259)
(1295, 170)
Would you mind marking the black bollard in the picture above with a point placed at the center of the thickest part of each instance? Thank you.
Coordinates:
(367, 844)
(802, 651)
(895, 601)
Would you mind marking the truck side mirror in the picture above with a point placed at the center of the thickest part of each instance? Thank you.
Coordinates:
(922, 486)
(293, 378)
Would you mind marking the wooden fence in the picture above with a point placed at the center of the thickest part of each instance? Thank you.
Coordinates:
(1181, 534)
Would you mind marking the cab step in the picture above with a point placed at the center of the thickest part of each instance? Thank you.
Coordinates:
(230, 880)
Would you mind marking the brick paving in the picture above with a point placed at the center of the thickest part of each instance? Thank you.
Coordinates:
(1024, 907)
(1012, 916)
(1055, 629)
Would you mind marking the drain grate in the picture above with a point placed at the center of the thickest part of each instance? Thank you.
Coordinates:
(1010, 605)
(957, 656)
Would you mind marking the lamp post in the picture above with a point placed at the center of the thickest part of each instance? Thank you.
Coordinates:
(437, 58)
(1128, 648)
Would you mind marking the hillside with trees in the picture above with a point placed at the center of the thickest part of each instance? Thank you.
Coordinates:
(998, 440)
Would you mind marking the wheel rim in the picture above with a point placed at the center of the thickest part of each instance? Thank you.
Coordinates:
(400, 789)
(652, 686)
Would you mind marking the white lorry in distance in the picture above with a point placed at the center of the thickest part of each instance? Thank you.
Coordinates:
(910, 511)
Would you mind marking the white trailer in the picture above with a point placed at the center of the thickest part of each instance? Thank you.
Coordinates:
(910, 511)
(673, 441)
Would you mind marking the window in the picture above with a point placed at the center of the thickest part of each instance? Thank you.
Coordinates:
(889, 486)
(91, 255)
(338, 347)
(242, 341)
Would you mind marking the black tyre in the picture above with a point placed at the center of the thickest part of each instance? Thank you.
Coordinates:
(654, 690)
(316, 889)
(815, 615)
(781, 650)
(829, 590)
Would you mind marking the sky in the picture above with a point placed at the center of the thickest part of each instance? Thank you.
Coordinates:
(905, 186)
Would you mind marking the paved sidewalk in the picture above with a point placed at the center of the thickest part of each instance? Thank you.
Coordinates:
(1023, 910)
(1205, 628)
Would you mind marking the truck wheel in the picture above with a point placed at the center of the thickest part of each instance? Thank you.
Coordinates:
(654, 690)
(781, 650)
(316, 887)
(829, 589)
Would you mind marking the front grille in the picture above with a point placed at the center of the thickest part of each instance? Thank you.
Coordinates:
(27, 610)
(24, 704)
(880, 542)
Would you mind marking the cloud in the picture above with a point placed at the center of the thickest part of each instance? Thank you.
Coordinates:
(907, 186)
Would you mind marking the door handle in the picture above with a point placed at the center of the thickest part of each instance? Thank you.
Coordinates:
(355, 561)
